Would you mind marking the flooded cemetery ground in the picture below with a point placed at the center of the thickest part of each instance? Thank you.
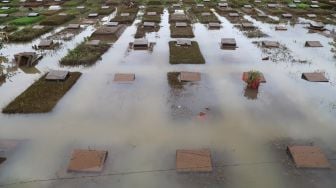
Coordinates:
(167, 93)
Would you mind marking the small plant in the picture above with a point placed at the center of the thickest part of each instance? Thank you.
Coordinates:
(253, 79)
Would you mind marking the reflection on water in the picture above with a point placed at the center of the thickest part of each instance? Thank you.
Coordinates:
(134, 122)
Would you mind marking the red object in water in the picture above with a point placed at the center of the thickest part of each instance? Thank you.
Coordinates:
(254, 84)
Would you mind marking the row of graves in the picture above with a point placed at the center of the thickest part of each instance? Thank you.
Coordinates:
(302, 161)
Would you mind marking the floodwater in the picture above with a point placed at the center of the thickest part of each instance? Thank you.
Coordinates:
(136, 122)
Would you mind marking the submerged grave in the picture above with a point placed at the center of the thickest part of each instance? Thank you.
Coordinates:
(46, 44)
(313, 44)
(270, 44)
(189, 76)
(308, 157)
(228, 43)
(42, 96)
(185, 54)
(124, 77)
(28, 59)
(87, 161)
(314, 77)
(193, 160)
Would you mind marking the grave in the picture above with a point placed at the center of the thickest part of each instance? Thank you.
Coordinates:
(193, 161)
(223, 5)
(87, 161)
(314, 6)
(270, 44)
(124, 77)
(313, 44)
(183, 42)
(38, 27)
(93, 42)
(27, 58)
(214, 25)
(280, 28)
(189, 76)
(4, 15)
(311, 15)
(206, 14)
(292, 5)
(247, 25)
(54, 7)
(233, 14)
(45, 43)
(125, 14)
(3, 27)
(57, 75)
(316, 26)
(287, 15)
(33, 14)
(181, 24)
(149, 24)
(151, 13)
(93, 15)
(228, 43)
(271, 5)
(73, 26)
(112, 24)
(140, 43)
(314, 77)
(308, 157)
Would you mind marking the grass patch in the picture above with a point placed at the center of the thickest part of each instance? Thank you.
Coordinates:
(73, 3)
(28, 34)
(185, 55)
(154, 2)
(181, 32)
(57, 20)
(189, 1)
(26, 20)
(84, 54)
(106, 11)
(42, 96)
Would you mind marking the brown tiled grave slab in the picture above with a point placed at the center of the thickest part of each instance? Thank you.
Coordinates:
(193, 161)
(124, 77)
(87, 161)
(190, 76)
(308, 157)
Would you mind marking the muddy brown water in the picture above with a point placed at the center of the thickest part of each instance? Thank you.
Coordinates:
(134, 122)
